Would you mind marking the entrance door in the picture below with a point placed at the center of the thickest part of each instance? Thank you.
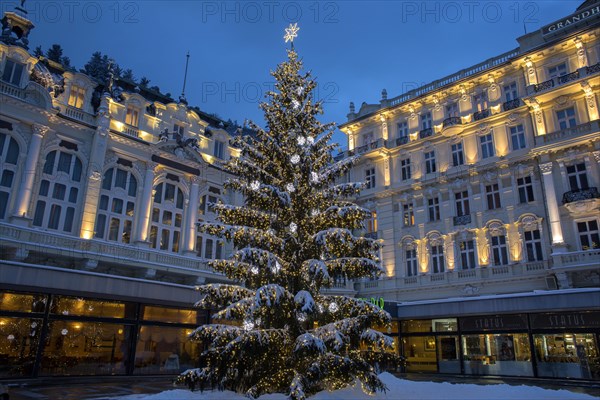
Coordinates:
(448, 360)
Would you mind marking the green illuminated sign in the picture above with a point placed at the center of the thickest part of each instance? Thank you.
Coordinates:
(378, 302)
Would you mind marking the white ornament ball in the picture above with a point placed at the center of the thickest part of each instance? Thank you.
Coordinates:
(255, 185)
(314, 177)
(333, 307)
(254, 269)
(248, 325)
(295, 159)
(295, 104)
(293, 227)
(314, 212)
(64, 332)
(299, 90)
(310, 140)
(301, 140)
(11, 337)
(290, 188)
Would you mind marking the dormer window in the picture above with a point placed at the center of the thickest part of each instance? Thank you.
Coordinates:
(76, 96)
(13, 72)
(132, 116)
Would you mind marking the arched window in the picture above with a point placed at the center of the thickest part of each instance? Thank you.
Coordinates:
(409, 248)
(436, 253)
(9, 155)
(167, 217)
(60, 192)
(467, 251)
(530, 226)
(116, 206)
(208, 246)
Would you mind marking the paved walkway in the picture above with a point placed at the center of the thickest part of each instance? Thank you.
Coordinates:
(89, 390)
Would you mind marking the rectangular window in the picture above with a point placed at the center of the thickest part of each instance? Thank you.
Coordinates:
(164, 239)
(408, 214)
(402, 129)
(68, 225)
(577, 175)
(54, 216)
(511, 92)
(178, 130)
(76, 96)
(219, 250)
(100, 226)
(39, 213)
(533, 245)
(589, 236)
(452, 110)
(525, 187)
(411, 262)
(426, 120)
(372, 222)
(499, 250)
(480, 101)
(458, 157)
(487, 146)
(430, 166)
(437, 259)
(13, 72)
(462, 203)
(132, 117)
(433, 207)
(113, 229)
(370, 177)
(492, 193)
(566, 118)
(208, 249)
(405, 169)
(517, 137)
(199, 246)
(219, 149)
(467, 254)
(557, 70)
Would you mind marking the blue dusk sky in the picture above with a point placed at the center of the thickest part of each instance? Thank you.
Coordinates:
(354, 48)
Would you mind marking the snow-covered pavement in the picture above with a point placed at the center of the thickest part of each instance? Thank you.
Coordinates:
(399, 389)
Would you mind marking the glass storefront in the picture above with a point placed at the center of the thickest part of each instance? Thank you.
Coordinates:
(81, 337)
(497, 354)
(571, 355)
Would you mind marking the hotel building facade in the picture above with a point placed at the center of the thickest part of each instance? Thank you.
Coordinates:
(483, 187)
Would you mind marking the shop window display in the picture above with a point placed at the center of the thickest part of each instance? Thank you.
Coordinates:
(420, 354)
(567, 355)
(19, 339)
(497, 354)
(85, 348)
(165, 350)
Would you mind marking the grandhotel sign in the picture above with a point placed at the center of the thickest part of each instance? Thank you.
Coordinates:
(571, 19)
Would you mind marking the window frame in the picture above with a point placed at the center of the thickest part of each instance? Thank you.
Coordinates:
(430, 163)
(405, 169)
(592, 235)
(518, 140)
(486, 144)
(458, 154)
(566, 121)
(370, 178)
(14, 66)
(492, 195)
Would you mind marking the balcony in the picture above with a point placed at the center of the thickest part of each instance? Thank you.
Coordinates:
(512, 104)
(77, 114)
(581, 73)
(462, 220)
(452, 126)
(13, 91)
(481, 114)
(425, 133)
(569, 133)
(402, 140)
(580, 194)
(131, 131)
(370, 146)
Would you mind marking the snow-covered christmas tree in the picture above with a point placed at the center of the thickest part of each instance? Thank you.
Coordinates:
(293, 237)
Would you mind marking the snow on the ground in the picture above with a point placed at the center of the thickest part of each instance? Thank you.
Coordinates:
(398, 389)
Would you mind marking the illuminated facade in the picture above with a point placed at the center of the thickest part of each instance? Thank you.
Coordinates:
(101, 187)
(484, 190)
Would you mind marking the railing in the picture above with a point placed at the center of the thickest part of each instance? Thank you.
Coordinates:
(500, 270)
(543, 86)
(481, 114)
(592, 69)
(77, 114)
(450, 79)
(462, 219)
(580, 258)
(580, 194)
(402, 140)
(512, 104)
(425, 133)
(74, 247)
(467, 273)
(13, 91)
(568, 77)
(131, 131)
(581, 129)
(451, 121)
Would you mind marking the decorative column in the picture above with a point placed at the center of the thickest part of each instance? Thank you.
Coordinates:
(94, 174)
(538, 115)
(384, 127)
(483, 247)
(143, 217)
(582, 59)
(449, 256)
(189, 226)
(386, 170)
(530, 75)
(590, 101)
(553, 213)
(21, 210)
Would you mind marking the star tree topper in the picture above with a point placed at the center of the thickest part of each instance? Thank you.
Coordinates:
(291, 32)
